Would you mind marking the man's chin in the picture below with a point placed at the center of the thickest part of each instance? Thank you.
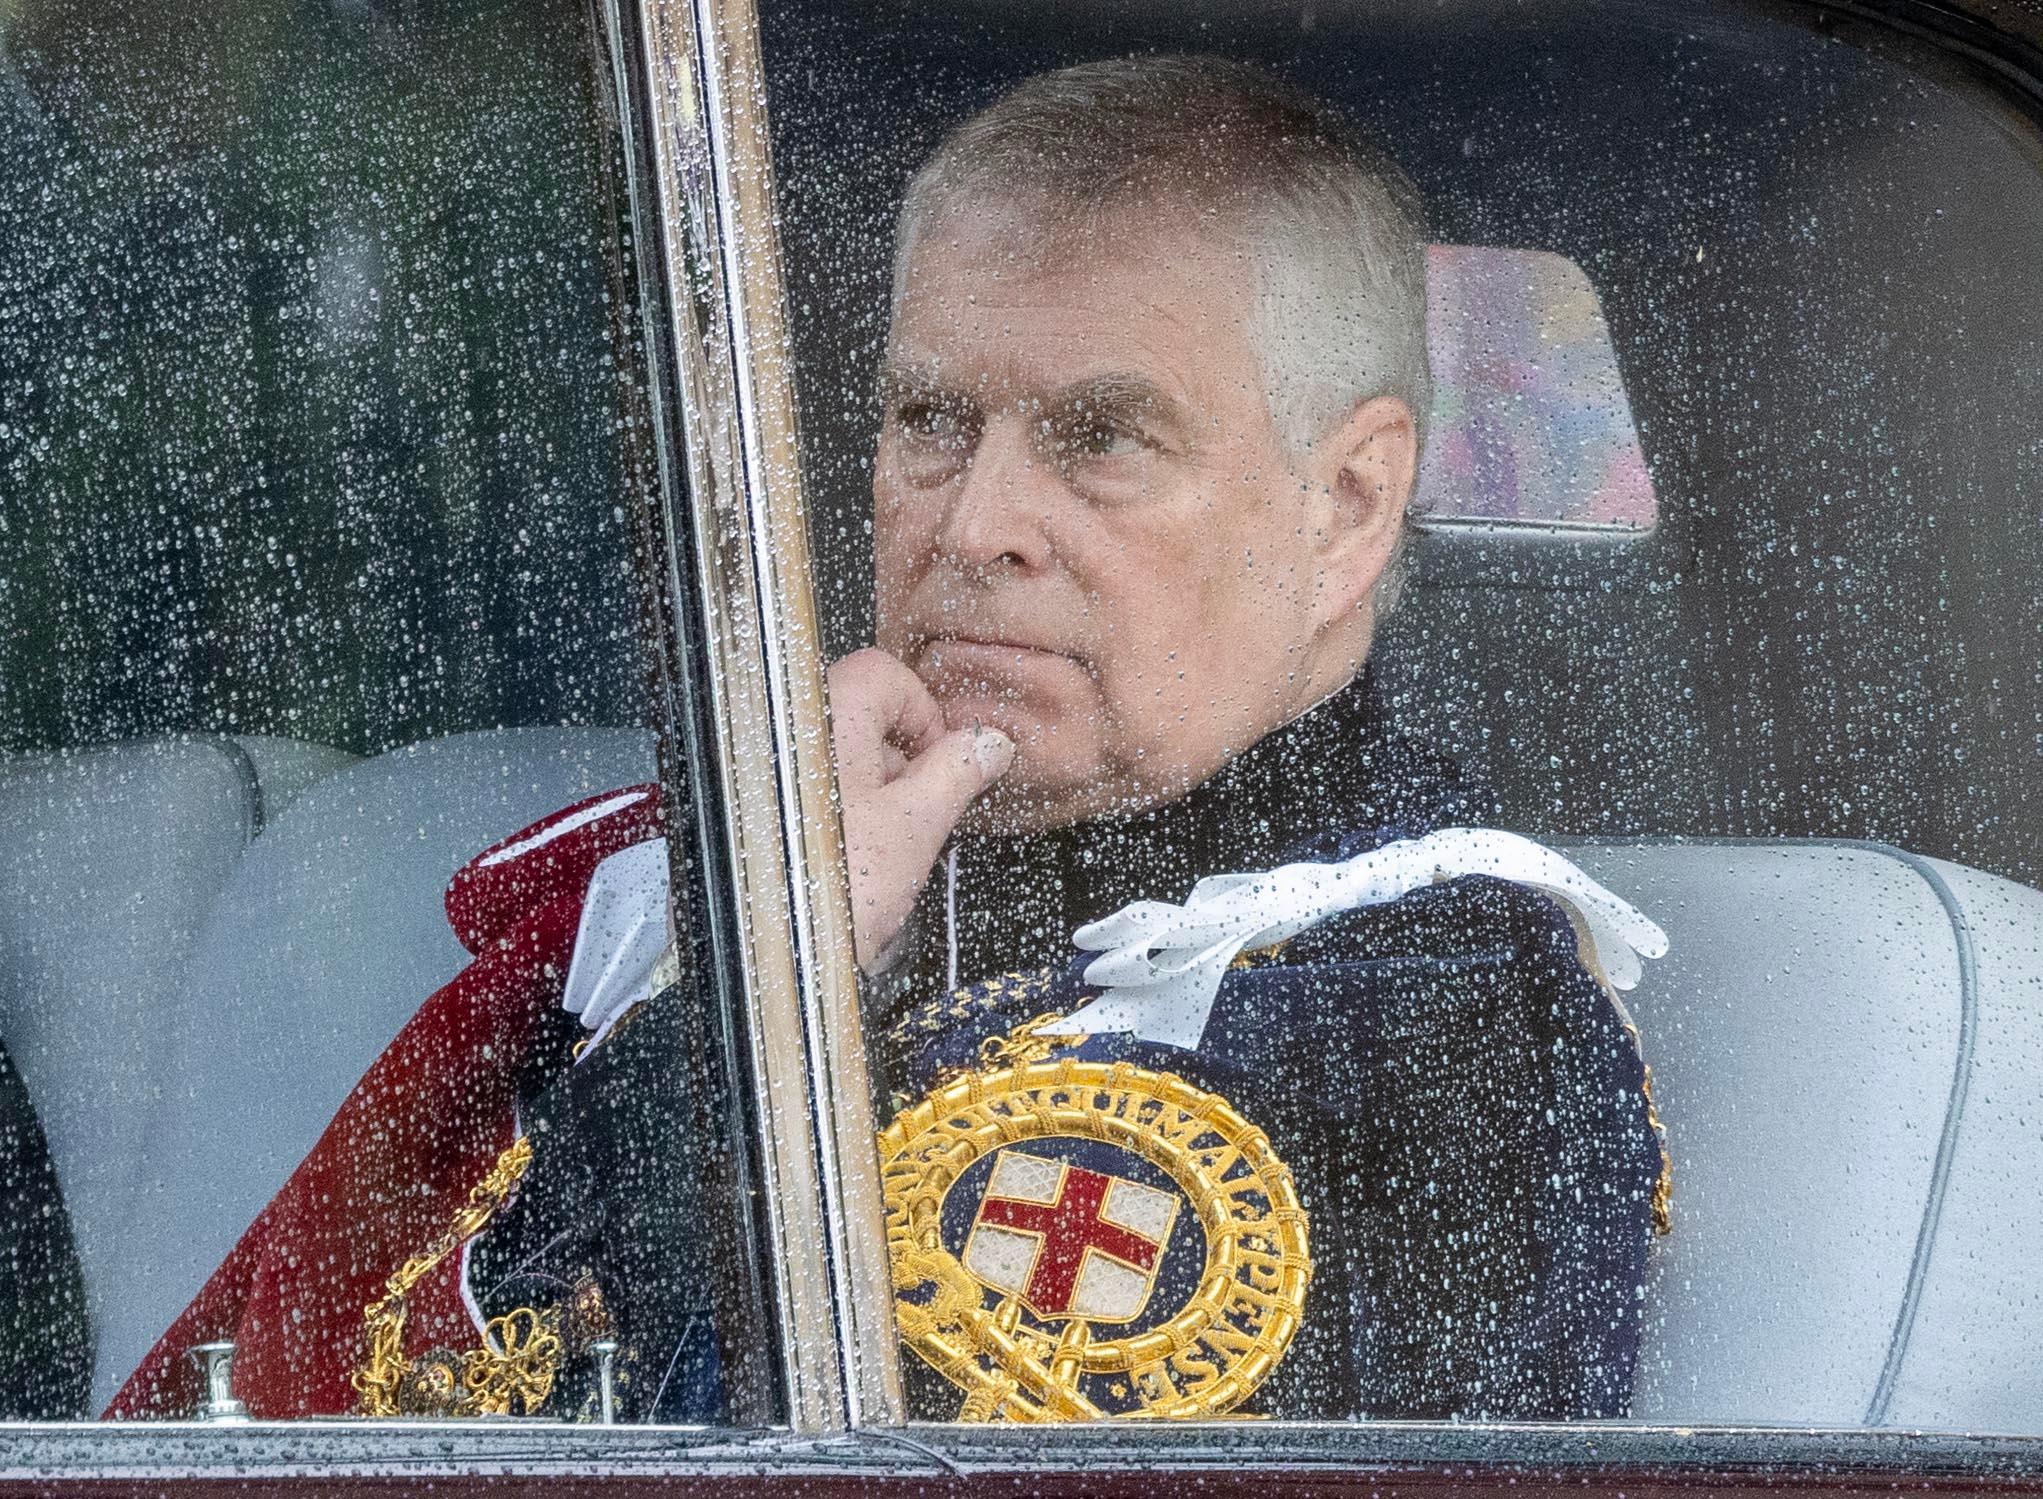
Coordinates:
(1061, 773)
(1036, 799)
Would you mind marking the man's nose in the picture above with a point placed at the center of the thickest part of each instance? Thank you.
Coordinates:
(997, 513)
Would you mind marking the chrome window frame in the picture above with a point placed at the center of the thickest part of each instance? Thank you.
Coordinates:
(737, 522)
(1362, 1458)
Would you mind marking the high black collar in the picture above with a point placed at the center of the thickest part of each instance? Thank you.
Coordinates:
(1337, 777)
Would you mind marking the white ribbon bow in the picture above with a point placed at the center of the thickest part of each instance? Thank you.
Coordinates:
(621, 940)
(1161, 964)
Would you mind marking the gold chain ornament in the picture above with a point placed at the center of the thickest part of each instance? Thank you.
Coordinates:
(1663, 1184)
(1017, 1359)
(520, 1352)
(1056, 1333)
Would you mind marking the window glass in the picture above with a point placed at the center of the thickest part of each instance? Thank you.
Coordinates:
(1436, 704)
(327, 732)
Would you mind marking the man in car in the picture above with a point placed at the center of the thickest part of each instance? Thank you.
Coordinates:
(1152, 406)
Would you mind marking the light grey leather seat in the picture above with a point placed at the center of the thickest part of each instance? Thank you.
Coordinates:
(110, 866)
(322, 942)
(1847, 1047)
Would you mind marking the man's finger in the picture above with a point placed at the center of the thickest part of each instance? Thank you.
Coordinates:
(945, 778)
(875, 701)
(921, 724)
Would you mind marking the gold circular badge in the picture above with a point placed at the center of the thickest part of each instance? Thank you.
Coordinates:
(1077, 1240)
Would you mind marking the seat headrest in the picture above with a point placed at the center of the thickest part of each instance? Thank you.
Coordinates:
(1530, 427)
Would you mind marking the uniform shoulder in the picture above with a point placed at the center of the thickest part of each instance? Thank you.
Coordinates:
(551, 858)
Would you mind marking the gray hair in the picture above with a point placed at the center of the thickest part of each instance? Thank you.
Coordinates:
(1332, 228)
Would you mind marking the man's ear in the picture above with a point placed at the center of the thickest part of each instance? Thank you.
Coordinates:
(1371, 462)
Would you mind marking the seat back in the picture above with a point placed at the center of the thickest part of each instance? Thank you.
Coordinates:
(111, 864)
(1845, 1042)
(1968, 1350)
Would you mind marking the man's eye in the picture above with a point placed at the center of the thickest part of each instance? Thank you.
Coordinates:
(1084, 440)
(929, 421)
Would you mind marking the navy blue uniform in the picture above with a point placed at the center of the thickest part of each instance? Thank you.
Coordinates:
(1459, 1102)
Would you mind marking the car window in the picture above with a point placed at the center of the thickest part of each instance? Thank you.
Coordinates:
(1434, 701)
(331, 699)
(1422, 816)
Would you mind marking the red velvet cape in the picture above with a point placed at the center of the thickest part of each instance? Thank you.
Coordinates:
(423, 1126)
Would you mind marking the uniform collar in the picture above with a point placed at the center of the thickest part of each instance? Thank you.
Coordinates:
(1337, 778)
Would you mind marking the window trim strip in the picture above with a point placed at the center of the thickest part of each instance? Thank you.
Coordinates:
(713, 194)
(1124, 1457)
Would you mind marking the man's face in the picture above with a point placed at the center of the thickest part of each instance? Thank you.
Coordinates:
(1088, 534)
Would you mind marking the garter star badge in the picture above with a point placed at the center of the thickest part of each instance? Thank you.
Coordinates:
(1077, 1240)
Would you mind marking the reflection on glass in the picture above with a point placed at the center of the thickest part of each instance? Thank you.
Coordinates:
(1530, 424)
(1180, 977)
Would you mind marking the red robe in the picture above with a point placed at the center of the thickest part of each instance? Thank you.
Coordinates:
(423, 1126)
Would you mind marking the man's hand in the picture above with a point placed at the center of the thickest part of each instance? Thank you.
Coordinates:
(905, 781)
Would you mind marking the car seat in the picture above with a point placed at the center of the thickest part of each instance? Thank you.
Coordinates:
(1847, 1051)
(111, 865)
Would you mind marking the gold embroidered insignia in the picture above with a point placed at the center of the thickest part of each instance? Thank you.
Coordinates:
(511, 1373)
(1033, 1203)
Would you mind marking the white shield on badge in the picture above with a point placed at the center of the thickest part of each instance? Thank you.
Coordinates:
(1068, 1242)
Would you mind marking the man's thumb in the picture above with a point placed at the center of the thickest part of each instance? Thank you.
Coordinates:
(960, 765)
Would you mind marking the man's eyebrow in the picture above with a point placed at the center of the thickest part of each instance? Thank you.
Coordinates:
(1123, 394)
(897, 382)
(1119, 394)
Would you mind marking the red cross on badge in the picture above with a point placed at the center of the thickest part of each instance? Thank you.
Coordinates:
(1067, 1241)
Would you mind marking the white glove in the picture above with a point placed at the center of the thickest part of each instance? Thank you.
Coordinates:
(622, 938)
(1161, 964)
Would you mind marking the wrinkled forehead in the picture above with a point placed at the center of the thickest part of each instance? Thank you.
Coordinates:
(996, 290)
(1007, 230)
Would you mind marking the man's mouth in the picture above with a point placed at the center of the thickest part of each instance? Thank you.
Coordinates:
(975, 657)
(990, 642)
